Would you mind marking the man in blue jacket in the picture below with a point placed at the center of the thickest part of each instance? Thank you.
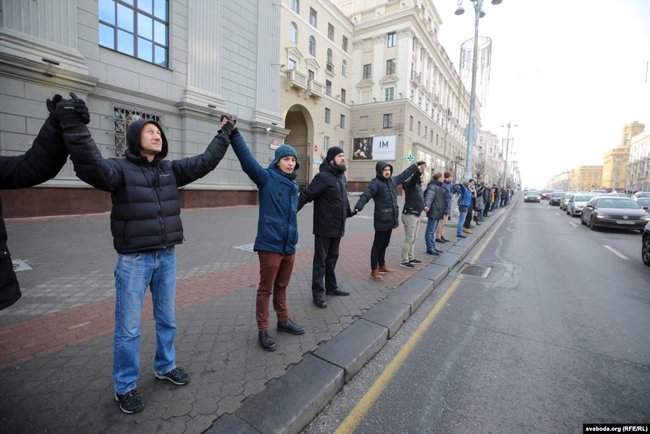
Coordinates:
(464, 202)
(277, 233)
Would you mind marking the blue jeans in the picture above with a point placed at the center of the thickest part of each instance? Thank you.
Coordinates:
(461, 221)
(430, 234)
(134, 273)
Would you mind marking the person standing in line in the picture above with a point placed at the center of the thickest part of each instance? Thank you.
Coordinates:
(440, 230)
(470, 210)
(331, 209)
(383, 190)
(464, 202)
(435, 203)
(413, 207)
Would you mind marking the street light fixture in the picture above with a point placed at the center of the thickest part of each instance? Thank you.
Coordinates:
(471, 123)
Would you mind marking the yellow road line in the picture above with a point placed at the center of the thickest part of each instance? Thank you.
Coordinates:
(364, 405)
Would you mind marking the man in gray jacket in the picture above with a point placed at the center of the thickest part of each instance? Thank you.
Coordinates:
(435, 204)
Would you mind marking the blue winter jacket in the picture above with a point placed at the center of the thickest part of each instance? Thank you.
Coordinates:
(464, 195)
(277, 226)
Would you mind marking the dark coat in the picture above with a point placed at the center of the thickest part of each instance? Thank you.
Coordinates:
(41, 162)
(277, 225)
(384, 193)
(436, 200)
(331, 206)
(146, 212)
(413, 195)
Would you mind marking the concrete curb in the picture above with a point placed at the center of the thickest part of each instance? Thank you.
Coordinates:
(290, 402)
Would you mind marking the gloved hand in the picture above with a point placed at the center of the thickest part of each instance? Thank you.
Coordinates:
(228, 125)
(51, 107)
(71, 111)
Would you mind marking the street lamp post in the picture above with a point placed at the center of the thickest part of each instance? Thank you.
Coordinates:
(505, 166)
(471, 123)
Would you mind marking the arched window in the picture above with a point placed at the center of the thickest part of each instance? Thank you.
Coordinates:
(293, 33)
(312, 46)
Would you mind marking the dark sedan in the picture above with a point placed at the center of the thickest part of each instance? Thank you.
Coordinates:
(556, 198)
(645, 245)
(614, 212)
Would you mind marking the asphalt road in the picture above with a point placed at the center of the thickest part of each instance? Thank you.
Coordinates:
(556, 336)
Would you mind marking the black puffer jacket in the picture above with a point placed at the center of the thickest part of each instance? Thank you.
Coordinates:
(331, 206)
(146, 209)
(436, 200)
(413, 196)
(383, 191)
(40, 163)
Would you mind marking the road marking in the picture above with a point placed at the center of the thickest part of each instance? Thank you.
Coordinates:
(364, 405)
(616, 252)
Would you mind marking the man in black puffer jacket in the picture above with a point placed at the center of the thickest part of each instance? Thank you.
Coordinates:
(413, 207)
(331, 209)
(41, 162)
(386, 217)
(146, 225)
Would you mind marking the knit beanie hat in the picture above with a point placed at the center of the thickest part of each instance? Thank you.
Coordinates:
(333, 152)
(285, 150)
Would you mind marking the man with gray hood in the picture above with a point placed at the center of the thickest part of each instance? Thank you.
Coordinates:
(146, 227)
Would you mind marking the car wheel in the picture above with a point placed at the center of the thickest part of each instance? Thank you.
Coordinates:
(592, 225)
(645, 250)
(582, 221)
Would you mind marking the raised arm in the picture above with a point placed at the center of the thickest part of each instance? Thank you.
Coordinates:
(190, 169)
(42, 161)
(249, 164)
(406, 174)
(89, 165)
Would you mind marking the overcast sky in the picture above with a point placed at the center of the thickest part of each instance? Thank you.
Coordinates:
(570, 73)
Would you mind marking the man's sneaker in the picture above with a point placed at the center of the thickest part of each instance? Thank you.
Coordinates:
(467, 231)
(444, 240)
(460, 236)
(337, 291)
(415, 261)
(433, 253)
(131, 402)
(406, 265)
(290, 327)
(265, 341)
(176, 376)
(438, 250)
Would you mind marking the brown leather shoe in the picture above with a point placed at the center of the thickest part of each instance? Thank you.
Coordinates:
(374, 275)
(383, 269)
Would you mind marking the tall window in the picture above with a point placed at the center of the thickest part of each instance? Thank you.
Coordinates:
(388, 120)
(328, 88)
(426, 131)
(367, 71)
(344, 68)
(411, 123)
(295, 6)
(136, 31)
(312, 46)
(344, 44)
(342, 122)
(390, 93)
(311, 75)
(391, 39)
(419, 128)
(330, 60)
(292, 64)
(330, 31)
(328, 115)
(390, 66)
(343, 95)
(313, 17)
(293, 33)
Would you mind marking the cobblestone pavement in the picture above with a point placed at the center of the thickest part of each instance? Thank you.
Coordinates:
(56, 343)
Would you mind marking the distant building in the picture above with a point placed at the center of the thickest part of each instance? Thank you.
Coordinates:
(585, 178)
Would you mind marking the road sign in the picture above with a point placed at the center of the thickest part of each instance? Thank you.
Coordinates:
(410, 158)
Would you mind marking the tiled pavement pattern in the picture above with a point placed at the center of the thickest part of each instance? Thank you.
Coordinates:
(56, 366)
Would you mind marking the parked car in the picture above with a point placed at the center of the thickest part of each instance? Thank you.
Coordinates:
(640, 194)
(532, 196)
(614, 212)
(565, 200)
(556, 197)
(546, 194)
(643, 202)
(645, 245)
(576, 204)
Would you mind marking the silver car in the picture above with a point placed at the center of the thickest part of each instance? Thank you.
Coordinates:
(577, 203)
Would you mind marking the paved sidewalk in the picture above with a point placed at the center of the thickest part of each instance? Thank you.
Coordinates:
(55, 344)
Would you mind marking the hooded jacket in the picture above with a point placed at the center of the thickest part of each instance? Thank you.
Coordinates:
(277, 224)
(146, 206)
(435, 199)
(41, 162)
(383, 191)
(331, 206)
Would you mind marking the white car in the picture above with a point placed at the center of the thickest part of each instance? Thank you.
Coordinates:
(577, 203)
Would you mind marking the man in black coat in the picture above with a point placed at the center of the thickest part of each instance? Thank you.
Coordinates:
(41, 162)
(383, 190)
(146, 227)
(331, 209)
(413, 207)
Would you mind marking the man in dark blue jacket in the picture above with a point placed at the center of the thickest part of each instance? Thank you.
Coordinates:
(277, 233)
(331, 209)
(146, 225)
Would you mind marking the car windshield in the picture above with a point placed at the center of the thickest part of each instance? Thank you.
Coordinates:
(558, 195)
(644, 194)
(617, 203)
(582, 198)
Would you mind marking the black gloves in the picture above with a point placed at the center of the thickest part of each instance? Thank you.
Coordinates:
(230, 127)
(69, 111)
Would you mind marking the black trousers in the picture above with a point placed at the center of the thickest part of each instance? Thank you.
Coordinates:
(468, 219)
(379, 245)
(326, 253)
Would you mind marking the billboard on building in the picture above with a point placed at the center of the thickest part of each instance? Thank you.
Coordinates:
(362, 148)
(383, 147)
